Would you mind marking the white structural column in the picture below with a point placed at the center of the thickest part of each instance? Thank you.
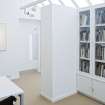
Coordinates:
(58, 34)
(75, 3)
(61, 2)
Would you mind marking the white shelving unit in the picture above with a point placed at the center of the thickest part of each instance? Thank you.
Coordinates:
(92, 83)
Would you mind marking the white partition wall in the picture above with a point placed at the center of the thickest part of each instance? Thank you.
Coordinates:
(58, 32)
(2, 36)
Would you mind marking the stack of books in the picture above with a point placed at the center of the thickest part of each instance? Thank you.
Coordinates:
(84, 50)
(84, 19)
(100, 16)
(100, 69)
(84, 66)
(100, 52)
(84, 35)
(100, 34)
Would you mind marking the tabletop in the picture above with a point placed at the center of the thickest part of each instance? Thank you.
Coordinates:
(9, 88)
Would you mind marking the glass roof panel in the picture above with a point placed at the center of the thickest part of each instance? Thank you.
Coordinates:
(68, 3)
(40, 5)
(55, 2)
(46, 3)
(82, 3)
(95, 2)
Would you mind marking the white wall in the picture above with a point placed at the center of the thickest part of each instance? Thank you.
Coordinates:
(16, 58)
(22, 2)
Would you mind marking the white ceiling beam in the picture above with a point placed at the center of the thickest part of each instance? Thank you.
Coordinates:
(32, 4)
(61, 2)
(76, 5)
(50, 1)
(89, 2)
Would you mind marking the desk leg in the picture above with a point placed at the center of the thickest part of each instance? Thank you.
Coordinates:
(21, 99)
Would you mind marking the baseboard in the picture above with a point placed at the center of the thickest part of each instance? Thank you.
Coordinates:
(91, 97)
(13, 76)
(46, 97)
(59, 98)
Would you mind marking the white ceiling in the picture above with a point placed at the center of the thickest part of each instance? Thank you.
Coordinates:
(70, 3)
(77, 3)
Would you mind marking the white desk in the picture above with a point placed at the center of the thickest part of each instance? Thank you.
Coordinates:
(8, 88)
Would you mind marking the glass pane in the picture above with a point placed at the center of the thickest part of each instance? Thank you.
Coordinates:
(56, 2)
(100, 15)
(100, 69)
(84, 34)
(84, 18)
(94, 2)
(68, 3)
(100, 34)
(84, 66)
(45, 3)
(85, 50)
(40, 5)
(82, 3)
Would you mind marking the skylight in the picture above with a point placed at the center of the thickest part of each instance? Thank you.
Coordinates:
(82, 3)
(39, 5)
(45, 3)
(55, 2)
(68, 3)
(95, 2)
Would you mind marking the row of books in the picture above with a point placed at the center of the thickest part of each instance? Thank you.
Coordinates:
(100, 69)
(84, 66)
(84, 50)
(84, 35)
(100, 35)
(100, 16)
(84, 19)
(100, 52)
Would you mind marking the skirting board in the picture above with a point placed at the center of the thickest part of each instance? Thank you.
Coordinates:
(59, 98)
(13, 76)
(91, 97)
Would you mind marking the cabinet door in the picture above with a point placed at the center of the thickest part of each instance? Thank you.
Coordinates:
(99, 90)
(85, 85)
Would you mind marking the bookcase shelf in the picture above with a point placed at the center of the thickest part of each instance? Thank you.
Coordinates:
(84, 41)
(85, 26)
(99, 25)
(100, 42)
(100, 61)
(84, 58)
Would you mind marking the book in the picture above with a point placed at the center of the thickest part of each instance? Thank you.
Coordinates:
(83, 19)
(98, 69)
(84, 66)
(102, 68)
(104, 35)
(103, 73)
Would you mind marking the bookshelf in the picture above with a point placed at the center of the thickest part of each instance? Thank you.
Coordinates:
(85, 41)
(91, 65)
(100, 42)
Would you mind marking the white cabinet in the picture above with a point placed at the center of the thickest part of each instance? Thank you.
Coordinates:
(92, 87)
(99, 90)
(85, 85)
(91, 73)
